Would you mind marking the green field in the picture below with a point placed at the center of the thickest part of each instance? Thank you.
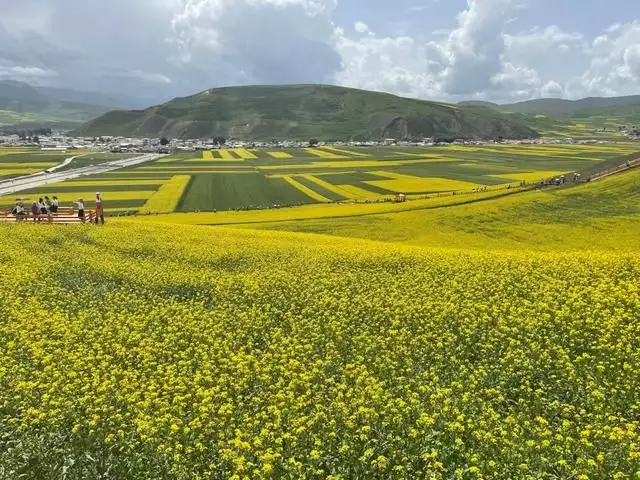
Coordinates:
(237, 179)
(229, 191)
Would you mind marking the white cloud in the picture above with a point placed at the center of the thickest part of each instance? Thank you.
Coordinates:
(361, 27)
(27, 72)
(178, 47)
(272, 41)
(474, 49)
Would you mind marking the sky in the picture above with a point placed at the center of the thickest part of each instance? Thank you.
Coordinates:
(444, 50)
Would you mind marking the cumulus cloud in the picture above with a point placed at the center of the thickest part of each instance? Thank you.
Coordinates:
(475, 48)
(178, 47)
(263, 41)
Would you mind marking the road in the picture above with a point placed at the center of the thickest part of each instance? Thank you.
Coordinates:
(15, 185)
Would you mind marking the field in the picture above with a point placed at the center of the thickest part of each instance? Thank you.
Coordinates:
(496, 346)
(16, 162)
(240, 179)
(488, 334)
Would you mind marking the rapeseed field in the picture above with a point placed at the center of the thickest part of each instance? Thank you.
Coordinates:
(180, 352)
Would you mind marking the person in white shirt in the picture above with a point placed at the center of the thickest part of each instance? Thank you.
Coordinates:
(80, 204)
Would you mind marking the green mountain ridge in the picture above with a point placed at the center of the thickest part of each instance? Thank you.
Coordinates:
(307, 111)
(24, 105)
(621, 108)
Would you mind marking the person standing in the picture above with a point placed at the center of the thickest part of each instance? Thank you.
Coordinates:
(99, 208)
(43, 207)
(18, 211)
(54, 205)
(35, 211)
(80, 204)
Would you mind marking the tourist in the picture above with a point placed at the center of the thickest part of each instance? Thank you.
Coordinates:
(43, 207)
(99, 209)
(18, 211)
(35, 211)
(54, 205)
(80, 204)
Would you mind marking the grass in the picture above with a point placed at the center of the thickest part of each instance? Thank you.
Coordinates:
(229, 191)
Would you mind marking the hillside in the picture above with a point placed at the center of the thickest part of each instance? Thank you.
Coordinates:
(307, 111)
(559, 108)
(21, 104)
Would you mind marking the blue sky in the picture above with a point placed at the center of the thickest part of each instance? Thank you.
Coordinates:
(498, 50)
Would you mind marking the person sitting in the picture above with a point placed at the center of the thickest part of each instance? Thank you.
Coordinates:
(54, 205)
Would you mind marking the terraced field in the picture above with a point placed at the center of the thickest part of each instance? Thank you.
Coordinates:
(240, 179)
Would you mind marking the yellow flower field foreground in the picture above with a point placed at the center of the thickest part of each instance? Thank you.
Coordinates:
(192, 352)
(166, 199)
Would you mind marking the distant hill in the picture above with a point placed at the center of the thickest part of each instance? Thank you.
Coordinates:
(559, 108)
(23, 104)
(623, 109)
(479, 103)
(306, 111)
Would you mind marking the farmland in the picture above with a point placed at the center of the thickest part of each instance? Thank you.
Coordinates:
(16, 162)
(240, 179)
(488, 334)
(496, 346)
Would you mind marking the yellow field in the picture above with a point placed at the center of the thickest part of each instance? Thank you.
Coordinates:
(143, 350)
(280, 155)
(530, 177)
(206, 155)
(226, 154)
(167, 198)
(87, 196)
(342, 151)
(319, 152)
(351, 164)
(304, 189)
(409, 184)
(113, 183)
(16, 165)
(347, 191)
(243, 153)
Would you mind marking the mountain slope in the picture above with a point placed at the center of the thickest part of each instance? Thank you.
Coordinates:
(307, 111)
(553, 107)
(22, 103)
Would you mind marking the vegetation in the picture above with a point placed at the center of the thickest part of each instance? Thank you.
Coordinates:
(188, 352)
(239, 179)
(318, 112)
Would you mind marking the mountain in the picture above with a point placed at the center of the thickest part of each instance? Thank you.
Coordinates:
(479, 103)
(559, 108)
(93, 98)
(306, 111)
(22, 104)
(622, 109)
